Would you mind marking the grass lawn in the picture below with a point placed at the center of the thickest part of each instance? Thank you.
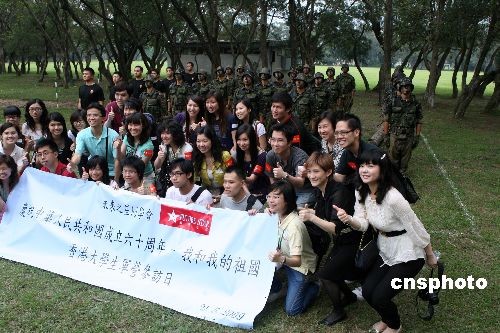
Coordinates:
(33, 300)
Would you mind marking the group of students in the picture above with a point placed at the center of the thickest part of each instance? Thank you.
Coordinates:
(337, 186)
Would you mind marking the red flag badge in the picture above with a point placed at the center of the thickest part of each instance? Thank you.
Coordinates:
(186, 219)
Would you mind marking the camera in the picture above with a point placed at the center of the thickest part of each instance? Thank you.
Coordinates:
(432, 299)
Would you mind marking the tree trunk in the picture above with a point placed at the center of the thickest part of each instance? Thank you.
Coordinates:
(356, 61)
(292, 22)
(494, 101)
(264, 61)
(471, 89)
(458, 61)
(468, 57)
(430, 91)
(488, 71)
(2, 59)
(417, 63)
(408, 56)
(386, 69)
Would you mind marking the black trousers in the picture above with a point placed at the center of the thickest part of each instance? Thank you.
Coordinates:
(378, 292)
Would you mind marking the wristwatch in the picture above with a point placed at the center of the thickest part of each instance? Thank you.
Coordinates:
(283, 261)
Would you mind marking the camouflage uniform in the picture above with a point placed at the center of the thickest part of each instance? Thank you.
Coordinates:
(309, 77)
(220, 85)
(265, 94)
(333, 88)
(240, 70)
(178, 97)
(303, 104)
(279, 84)
(202, 86)
(250, 93)
(321, 94)
(152, 103)
(232, 82)
(346, 85)
(403, 118)
(290, 86)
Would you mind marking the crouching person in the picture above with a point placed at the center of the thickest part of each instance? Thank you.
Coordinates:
(294, 254)
(236, 195)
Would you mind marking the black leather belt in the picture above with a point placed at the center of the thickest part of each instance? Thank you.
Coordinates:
(392, 233)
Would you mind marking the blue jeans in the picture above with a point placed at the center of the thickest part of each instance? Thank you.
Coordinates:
(300, 294)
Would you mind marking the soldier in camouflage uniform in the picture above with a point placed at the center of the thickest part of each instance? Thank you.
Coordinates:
(308, 75)
(333, 87)
(202, 86)
(303, 103)
(403, 120)
(347, 86)
(219, 84)
(279, 82)
(247, 90)
(240, 70)
(152, 101)
(292, 74)
(178, 95)
(321, 94)
(391, 91)
(232, 84)
(265, 90)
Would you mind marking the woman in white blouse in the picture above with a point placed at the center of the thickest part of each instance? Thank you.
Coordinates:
(404, 244)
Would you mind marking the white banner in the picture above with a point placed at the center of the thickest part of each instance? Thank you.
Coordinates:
(211, 265)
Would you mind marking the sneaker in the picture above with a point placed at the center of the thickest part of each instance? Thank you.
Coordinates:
(273, 297)
(334, 317)
(359, 293)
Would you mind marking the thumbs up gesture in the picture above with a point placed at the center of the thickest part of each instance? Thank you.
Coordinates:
(342, 215)
(85, 174)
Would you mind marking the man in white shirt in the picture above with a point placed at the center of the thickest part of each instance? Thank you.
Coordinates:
(184, 189)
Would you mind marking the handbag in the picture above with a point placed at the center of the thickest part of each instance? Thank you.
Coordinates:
(367, 254)
(405, 187)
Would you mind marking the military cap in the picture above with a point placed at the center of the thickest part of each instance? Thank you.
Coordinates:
(219, 69)
(202, 72)
(277, 71)
(345, 66)
(330, 69)
(148, 78)
(319, 75)
(265, 71)
(179, 71)
(406, 81)
(292, 70)
(247, 73)
(306, 66)
(300, 77)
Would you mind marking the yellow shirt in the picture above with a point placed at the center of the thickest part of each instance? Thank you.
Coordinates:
(295, 241)
(216, 180)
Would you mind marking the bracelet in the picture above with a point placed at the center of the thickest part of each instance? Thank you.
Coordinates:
(285, 177)
(283, 261)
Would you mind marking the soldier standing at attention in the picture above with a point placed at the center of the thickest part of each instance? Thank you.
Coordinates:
(292, 74)
(347, 86)
(303, 102)
(202, 86)
(232, 84)
(178, 95)
(333, 87)
(239, 76)
(306, 70)
(403, 120)
(265, 92)
(138, 84)
(247, 90)
(151, 99)
(219, 84)
(279, 82)
(321, 95)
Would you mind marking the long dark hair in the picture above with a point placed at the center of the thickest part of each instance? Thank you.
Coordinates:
(77, 115)
(138, 119)
(252, 137)
(385, 180)
(200, 101)
(246, 102)
(210, 117)
(100, 161)
(57, 117)
(11, 164)
(216, 147)
(44, 120)
(174, 129)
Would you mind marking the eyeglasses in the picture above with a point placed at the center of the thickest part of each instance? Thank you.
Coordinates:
(342, 133)
(44, 153)
(35, 109)
(279, 141)
(176, 174)
(79, 122)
